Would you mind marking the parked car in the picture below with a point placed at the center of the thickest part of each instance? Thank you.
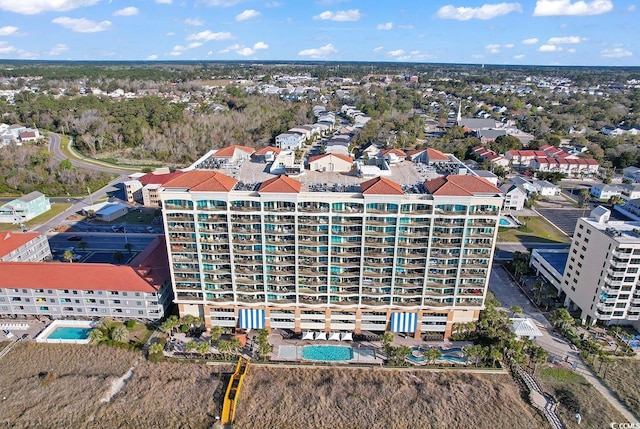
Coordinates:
(74, 238)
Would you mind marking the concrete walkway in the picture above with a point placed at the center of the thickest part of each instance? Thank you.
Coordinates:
(509, 293)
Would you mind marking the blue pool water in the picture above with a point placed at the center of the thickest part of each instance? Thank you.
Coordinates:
(504, 222)
(449, 355)
(67, 333)
(327, 353)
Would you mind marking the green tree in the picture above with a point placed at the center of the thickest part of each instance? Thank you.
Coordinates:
(118, 256)
(96, 336)
(83, 245)
(432, 354)
(515, 310)
(387, 341)
(216, 333)
(584, 198)
(128, 246)
(156, 348)
(68, 255)
(537, 355)
(615, 200)
(119, 333)
(561, 318)
(203, 347)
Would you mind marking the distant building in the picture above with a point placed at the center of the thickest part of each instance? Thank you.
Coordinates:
(514, 197)
(604, 192)
(145, 188)
(24, 247)
(24, 208)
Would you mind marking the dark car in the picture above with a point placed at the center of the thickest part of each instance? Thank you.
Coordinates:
(74, 238)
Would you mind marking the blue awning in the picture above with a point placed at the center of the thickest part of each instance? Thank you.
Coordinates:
(404, 322)
(251, 319)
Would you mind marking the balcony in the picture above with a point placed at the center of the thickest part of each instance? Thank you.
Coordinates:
(312, 281)
(246, 220)
(410, 275)
(243, 208)
(605, 307)
(602, 316)
(370, 273)
(313, 208)
(312, 231)
(174, 218)
(406, 302)
(619, 264)
(308, 272)
(417, 293)
(434, 303)
(376, 302)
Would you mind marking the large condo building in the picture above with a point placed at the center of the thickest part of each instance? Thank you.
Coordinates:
(602, 273)
(331, 251)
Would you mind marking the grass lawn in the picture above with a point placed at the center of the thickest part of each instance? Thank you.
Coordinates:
(537, 229)
(132, 218)
(622, 380)
(56, 209)
(576, 395)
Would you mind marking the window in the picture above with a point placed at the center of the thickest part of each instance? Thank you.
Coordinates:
(581, 226)
(618, 313)
(140, 312)
(579, 235)
(124, 294)
(586, 240)
(570, 267)
(579, 264)
(588, 231)
(573, 288)
(138, 302)
(1, 299)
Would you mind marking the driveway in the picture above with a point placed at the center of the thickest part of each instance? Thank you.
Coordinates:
(508, 293)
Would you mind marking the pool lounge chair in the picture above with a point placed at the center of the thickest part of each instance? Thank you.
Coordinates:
(347, 336)
(334, 336)
(308, 336)
(321, 336)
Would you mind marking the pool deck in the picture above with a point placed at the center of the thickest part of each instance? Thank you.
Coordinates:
(34, 327)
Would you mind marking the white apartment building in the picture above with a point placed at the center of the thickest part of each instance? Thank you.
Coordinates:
(139, 290)
(24, 247)
(331, 251)
(602, 272)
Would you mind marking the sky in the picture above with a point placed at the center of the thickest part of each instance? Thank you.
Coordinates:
(529, 32)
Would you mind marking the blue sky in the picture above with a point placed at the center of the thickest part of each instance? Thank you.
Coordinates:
(543, 32)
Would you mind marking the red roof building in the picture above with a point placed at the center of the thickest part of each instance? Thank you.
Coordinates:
(281, 184)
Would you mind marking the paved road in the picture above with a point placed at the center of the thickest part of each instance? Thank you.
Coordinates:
(100, 241)
(504, 250)
(55, 149)
(508, 293)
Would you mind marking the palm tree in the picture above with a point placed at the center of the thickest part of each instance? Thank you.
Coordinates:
(105, 324)
(433, 354)
(68, 255)
(96, 335)
(156, 348)
(83, 245)
(562, 319)
(119, 333)
(615, 200)
(128, 246)
(387, 340)
(216, 333)
(537, 355)
(203, 347)
(495, 355)
(118, 256)
(515, 310)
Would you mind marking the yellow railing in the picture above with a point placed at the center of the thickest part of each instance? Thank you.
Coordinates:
(233, 392)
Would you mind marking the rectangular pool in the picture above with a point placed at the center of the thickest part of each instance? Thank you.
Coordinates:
(69, 333)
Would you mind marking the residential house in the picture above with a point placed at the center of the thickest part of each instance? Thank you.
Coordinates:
(514, 197)
(631, 173)
(289, 140)
(604, 192)
(330, 162)
(546, 189)
(24, 208)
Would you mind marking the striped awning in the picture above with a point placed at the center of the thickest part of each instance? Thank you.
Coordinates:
(251, 319)
(404, 322)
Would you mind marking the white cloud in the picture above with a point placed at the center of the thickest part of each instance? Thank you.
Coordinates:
(219, 3)
(616, 53)
(247, 14)
(231, 48)
(531, 41)
(631, 8)
(58, 49)
(340, 15)
(549, 48)
(486, 11)
(378, 49)
(569, 40)
(196, 22)
(164, 1)
(518, 57)
(396, 53)
(171, 33)
(493, 48)
(8, 30)
(260, 45)
(320, 52)
(127, 11)
(6, 48)
(509, 45)
(179, 49)
(32, 7)
(82, 25)
(152, 57)
(273, 4)
(208, 35)
(568, 8)
(385, 26)
(414, 55)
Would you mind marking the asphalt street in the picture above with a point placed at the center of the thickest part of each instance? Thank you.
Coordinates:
(105, 241)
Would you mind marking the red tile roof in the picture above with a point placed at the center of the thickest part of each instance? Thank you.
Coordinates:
(268, 149)
(229, 151)
(436, 155)
(28, 135)
(203, 180)
(150, 272)
(394, 151)
(460, 185)
(381, 186)
(337, 155)
(10, 241)
(281, 184)
(158, 179)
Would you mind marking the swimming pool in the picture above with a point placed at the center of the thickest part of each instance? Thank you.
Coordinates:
(327, 353)
(505, 222)
(69, 333)
(453, 354)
